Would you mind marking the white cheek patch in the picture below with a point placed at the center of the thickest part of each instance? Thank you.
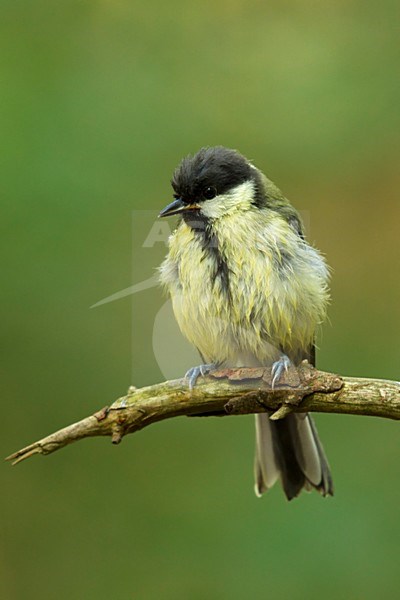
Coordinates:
(239, 197)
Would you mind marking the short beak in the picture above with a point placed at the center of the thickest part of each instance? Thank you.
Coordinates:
(177, 206)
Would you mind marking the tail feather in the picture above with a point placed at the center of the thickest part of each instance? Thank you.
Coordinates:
(266, 469)
(305, 447)
(290, 449)
(326, 485)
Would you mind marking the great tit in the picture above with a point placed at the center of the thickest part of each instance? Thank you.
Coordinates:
(248, 290)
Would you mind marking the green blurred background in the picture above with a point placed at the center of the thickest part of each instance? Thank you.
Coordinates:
(100, 100)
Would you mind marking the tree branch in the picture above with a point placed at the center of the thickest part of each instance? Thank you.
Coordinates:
(229, 392)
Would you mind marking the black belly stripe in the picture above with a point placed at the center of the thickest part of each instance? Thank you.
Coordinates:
(209, 243)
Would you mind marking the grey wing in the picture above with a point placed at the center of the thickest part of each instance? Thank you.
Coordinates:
(290, 449)
(297, 225)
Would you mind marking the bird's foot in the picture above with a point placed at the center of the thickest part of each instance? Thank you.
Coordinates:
(279, 367)
(194, 373)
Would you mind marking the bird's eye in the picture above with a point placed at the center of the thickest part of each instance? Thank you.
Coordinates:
(209, 193)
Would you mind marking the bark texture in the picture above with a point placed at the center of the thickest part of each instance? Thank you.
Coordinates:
(229, 392)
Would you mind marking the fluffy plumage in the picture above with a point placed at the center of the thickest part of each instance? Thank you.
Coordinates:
(246, 289)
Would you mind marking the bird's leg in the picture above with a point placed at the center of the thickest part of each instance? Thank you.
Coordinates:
(279, 367)
(194, 373)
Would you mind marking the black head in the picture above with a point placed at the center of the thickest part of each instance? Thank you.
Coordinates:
(217, 168)
(209, 173)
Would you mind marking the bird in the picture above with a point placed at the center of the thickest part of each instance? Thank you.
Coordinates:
(248, 290)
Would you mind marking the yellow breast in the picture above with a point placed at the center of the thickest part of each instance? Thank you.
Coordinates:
(268, 296)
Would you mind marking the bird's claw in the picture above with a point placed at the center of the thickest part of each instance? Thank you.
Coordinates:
(278, 368)
(194, 373)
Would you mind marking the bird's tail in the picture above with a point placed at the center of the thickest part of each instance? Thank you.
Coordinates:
(290, 449)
